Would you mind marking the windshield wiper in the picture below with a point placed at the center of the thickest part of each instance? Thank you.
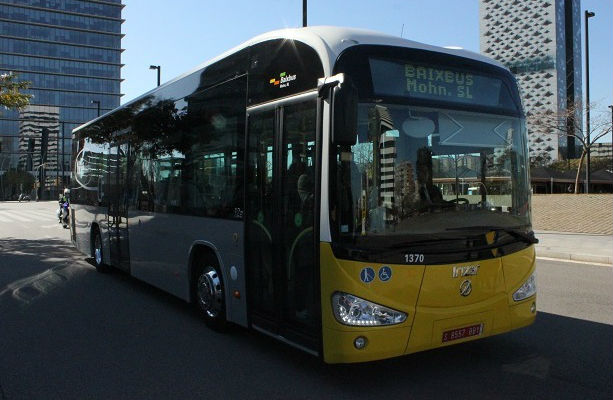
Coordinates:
(527, 237)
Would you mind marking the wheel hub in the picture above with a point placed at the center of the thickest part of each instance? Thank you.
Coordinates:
(98, 250)
(209, 292)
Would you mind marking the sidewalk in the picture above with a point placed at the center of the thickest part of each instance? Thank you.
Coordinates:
(575, 246)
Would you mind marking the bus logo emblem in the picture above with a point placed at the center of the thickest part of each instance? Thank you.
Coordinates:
(466, 288)
(367, 275)
(283, 81)
(469, 270)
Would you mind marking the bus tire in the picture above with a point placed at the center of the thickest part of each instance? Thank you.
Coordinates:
(210, 295)
(97, 252)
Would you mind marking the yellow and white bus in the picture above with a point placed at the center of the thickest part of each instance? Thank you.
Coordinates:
(313, 184)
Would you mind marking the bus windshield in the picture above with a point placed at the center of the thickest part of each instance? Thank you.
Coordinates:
(440, 153)
(423, 170)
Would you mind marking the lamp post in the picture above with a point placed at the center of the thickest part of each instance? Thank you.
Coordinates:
(588, 15)
(1, 175)
(304, 13)
(97, 103)
(63, 172)
(611, 107)
(159, 68)
(40, 173)
(57, 160)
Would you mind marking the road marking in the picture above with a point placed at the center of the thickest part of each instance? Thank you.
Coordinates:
(51, 226)
(25, 216)
(574, 261)
(12, 215)
(43, 214)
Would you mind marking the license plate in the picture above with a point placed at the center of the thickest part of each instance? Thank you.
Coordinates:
(461, 333)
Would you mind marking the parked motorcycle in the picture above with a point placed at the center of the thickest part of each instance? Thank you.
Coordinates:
(23, 197)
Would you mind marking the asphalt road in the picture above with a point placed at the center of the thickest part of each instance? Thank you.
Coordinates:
(68, 332)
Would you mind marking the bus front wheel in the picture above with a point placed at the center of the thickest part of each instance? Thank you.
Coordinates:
(210, 296)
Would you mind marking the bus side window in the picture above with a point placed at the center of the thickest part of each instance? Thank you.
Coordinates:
(216, 166)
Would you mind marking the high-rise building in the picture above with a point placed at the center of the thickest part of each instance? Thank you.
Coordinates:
(540, 42)
(70, 51)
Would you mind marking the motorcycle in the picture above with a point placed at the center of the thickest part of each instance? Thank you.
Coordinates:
(63, 213)
(23, 197)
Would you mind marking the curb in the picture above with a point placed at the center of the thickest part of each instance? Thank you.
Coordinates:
(566, 233)
(575, 257)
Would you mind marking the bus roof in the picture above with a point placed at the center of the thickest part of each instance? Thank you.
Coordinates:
(329, 42)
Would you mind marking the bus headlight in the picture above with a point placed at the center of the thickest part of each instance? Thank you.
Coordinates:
(527, 289)
(352, 310)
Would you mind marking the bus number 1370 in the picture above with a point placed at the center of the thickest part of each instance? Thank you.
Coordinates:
(411, 258)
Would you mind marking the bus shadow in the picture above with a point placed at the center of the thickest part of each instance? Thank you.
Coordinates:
(30, 269)
(557, 357)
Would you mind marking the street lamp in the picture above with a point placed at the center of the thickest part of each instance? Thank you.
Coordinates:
(159, 68)
(611, 107)
(40, 173)
(588, 15)
(97, 102)
(1, 175)
(63, 143)
(304, 13)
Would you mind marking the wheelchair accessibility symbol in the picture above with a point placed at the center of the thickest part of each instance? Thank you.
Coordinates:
(367, 275)
(385, 273)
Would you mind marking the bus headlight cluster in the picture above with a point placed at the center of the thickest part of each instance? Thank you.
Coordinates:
(527, 289)
(355, 311)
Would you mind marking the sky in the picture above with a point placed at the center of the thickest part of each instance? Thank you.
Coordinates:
(181, 34)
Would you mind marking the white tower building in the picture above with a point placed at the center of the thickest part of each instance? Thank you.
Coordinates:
(540, 41)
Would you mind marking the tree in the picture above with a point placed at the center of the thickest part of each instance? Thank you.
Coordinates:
(15, 182)
(547, 122)
(10, 95)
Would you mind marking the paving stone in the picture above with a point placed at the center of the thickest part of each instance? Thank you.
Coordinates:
(580, 213)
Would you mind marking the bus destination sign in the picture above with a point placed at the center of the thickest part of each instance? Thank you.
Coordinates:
(436, 82)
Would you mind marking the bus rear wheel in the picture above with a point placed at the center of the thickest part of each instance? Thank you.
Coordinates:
(210, 296)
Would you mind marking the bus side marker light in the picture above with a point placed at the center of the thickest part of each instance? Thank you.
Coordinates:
(237, 294)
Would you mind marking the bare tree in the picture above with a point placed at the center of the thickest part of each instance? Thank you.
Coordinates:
(566, 124)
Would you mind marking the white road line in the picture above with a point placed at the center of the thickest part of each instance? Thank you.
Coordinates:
(51, 226)
(574, 261)
(12, 215)
(41, 212)
(29, 218)
(42, 217)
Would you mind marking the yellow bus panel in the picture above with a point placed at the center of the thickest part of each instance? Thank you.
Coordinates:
(438, 312)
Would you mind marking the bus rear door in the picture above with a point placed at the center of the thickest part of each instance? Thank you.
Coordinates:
(118, 212)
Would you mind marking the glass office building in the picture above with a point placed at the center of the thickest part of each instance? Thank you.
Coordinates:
(70, 51)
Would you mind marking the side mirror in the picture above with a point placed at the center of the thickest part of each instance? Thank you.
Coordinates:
(345, 111)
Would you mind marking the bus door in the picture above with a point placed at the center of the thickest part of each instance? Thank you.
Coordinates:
(280, 213)
(118, 211)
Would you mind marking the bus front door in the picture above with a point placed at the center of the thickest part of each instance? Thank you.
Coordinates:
(118, 213)
(280, 243)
